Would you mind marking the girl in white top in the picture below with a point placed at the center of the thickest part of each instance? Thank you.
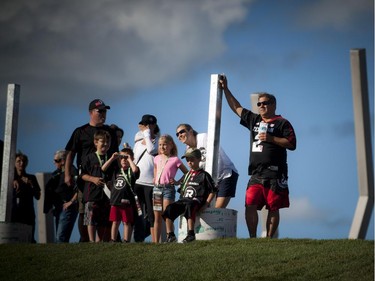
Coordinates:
(166, 164)
(227, 172)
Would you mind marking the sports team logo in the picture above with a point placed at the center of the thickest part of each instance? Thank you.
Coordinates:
(190, 192)
(120, 183)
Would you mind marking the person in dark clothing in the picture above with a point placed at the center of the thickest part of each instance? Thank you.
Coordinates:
(270, 137)
(26, 188)
(62, 199)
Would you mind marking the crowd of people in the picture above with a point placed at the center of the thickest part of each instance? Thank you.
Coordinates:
(108, 185)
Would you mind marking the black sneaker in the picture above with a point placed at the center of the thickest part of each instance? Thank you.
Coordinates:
(171, 239)
(189, 238)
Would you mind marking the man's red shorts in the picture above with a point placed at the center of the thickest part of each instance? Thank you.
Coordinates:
(257, 194)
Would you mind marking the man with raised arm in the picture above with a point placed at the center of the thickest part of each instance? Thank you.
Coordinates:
(270, 136)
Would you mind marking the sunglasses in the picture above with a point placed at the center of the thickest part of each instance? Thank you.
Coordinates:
(263, 103)
(180, 132)
(57, 160)
(101, 110)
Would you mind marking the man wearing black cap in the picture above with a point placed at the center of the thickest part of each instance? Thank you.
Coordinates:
(80, 144)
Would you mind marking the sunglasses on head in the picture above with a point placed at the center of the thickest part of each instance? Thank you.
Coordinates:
(57, 160)
(260, 103)
(180, 132)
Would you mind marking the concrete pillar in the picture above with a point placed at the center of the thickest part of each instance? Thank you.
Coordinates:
(10, 143)
(10, 232)
(362, 126)
(1, 159)
(213, 131)
(46, 222)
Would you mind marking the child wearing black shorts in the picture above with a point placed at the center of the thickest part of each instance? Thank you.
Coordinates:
(197, 190)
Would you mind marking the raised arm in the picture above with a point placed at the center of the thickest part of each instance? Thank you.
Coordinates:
(106, 165)
(232, 101)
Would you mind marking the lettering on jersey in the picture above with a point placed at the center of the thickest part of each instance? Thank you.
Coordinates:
(283, 182)
(120, 183)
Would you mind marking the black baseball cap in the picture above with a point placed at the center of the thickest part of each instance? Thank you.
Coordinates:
(148, 119)
(192, 153)
(98, 104)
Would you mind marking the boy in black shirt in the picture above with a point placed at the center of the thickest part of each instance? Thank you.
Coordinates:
(122, 195)
(96, 201)
(197, 190)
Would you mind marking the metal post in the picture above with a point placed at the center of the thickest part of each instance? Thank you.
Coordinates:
(365, 166)
(10, 142)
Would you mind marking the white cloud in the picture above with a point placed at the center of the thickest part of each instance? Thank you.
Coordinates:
(112, 43)
(303, 209)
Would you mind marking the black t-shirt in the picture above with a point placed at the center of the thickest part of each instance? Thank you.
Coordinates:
(91, 166)
(122, 183)
(198, 185)
(267, 159)
(57, 191)
(82, 141)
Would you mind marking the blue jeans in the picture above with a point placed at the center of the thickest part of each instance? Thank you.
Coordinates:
(65, 220)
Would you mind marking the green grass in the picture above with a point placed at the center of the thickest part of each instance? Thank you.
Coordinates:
(220, 259)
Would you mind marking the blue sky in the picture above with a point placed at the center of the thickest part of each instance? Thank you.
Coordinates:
(157, 57)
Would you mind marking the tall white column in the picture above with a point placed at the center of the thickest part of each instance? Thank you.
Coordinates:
(213, 131)
(362, 126)
(46, 225)
(10, 143)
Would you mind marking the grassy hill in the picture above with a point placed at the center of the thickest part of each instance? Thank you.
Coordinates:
(220, 259)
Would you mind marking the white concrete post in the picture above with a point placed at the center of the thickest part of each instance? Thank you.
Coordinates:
(213, 131)
(365, 165)
(46, 225)
(10, 143)
(10, 232)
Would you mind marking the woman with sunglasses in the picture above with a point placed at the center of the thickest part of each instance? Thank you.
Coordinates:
(62, 199)
(227, 172)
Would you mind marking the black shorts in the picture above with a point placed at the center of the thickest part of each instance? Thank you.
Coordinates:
(185, 206)
(227, 186)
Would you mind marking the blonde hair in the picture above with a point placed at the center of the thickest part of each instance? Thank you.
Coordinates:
(169, 139)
